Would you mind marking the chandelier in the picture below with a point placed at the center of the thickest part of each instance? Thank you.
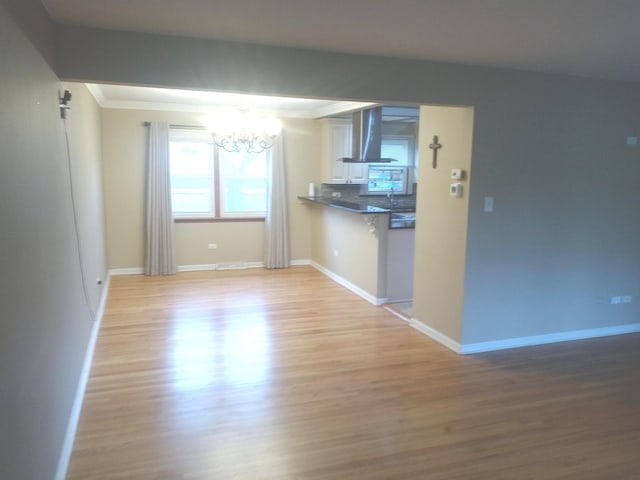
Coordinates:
(243, 130)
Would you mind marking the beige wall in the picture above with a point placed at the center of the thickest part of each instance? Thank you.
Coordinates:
(124, 150)
(361, 258)
(441, 220)
(85, 143)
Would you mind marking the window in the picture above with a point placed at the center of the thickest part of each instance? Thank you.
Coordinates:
(398, 147)
(208, 182)
(243, 183)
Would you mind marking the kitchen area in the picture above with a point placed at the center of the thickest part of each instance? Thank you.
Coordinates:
(368, 190)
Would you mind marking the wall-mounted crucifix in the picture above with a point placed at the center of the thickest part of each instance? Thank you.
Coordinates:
(435, 146)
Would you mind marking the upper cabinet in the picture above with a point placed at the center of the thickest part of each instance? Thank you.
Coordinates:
(336, 144)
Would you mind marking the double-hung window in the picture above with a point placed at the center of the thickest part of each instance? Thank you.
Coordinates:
(209, 182)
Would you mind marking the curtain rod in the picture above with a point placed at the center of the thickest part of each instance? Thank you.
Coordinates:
(173, 125)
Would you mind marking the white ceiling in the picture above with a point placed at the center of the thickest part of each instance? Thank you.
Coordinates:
(147, 98)
(593, 38)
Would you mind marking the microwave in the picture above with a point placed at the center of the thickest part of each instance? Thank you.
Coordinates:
(387, 181)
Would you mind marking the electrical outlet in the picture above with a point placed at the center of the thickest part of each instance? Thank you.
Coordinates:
(212, 246)
(627, 299)
(615, 300)
(336, 253)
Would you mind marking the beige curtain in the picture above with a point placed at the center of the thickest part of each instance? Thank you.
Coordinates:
(160, 256)
(277, 219)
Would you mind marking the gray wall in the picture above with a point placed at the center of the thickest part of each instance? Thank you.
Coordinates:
(564, 236)
(550, 149)
(44, 320)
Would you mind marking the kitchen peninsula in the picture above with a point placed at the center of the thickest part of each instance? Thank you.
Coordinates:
(353, 243)
(347, 197)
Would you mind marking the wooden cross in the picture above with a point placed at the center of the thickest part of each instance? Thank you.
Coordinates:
(435, 146)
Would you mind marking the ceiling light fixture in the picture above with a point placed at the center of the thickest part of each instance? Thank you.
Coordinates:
(243, 130)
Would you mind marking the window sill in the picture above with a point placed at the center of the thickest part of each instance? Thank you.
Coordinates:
(216, 219)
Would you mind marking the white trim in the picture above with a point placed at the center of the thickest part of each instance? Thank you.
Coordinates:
(396, 313)
(126, 271)
(517, 342)
(406, 300)
(206, 266)
(304, 261)
(97, 93)
(233, 265)
(238, 265)
(253, 264)
(74, 417)
(549, 338)
(197, 268)
(341, 108)
(436, 335)
(347, 284)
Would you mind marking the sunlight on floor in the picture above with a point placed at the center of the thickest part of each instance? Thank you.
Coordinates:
(239, 354)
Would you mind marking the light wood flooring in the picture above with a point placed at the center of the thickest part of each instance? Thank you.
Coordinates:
(284, 374)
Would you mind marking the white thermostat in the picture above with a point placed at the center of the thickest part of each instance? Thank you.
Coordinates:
(457, 174)
(455, 190)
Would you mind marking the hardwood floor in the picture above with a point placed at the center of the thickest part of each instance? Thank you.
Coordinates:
(257, 374)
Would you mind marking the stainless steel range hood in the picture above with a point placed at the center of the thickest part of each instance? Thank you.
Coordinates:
(367, 137)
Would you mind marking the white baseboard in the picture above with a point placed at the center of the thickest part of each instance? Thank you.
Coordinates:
(549, 338)
(436, 335)
(126, 271)
(347, 284)
(396, 313)
(470, 348)
(208, 266)
(74, 417)
(405, 300)
(304, 261)
(197, 268)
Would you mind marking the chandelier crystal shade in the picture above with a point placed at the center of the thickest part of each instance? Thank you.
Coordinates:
(244, 130)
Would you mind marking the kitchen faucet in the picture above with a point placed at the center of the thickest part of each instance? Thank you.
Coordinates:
(391, 197)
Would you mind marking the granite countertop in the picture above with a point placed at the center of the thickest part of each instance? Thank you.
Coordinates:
(365, 204)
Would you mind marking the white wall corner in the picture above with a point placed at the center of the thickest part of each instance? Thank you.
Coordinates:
(350, 286)
(74, 416)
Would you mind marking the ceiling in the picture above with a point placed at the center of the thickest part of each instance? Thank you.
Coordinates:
(592, 38)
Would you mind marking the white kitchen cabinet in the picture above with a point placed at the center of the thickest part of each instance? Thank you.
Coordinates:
(336, 144)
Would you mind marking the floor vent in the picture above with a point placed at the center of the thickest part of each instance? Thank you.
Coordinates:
(231, 266)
